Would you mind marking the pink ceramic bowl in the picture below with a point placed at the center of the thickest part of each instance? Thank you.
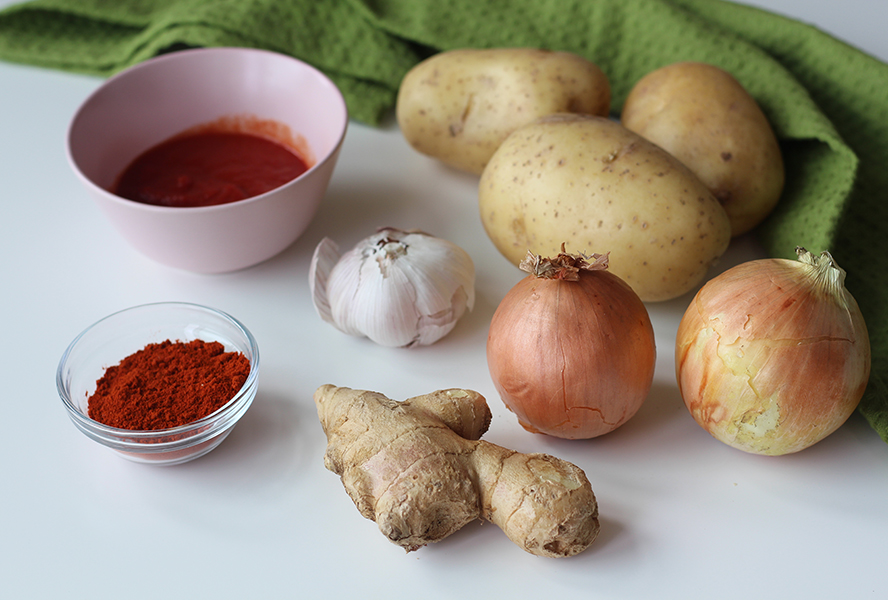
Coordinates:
(159, 98)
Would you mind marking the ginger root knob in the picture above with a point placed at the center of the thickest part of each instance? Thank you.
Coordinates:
(419, 469)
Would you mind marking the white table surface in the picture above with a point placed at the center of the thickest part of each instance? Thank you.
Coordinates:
(683, 516)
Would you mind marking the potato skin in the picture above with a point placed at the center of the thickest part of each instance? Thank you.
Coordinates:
(458, 106)
(704, 117)
(596, 186)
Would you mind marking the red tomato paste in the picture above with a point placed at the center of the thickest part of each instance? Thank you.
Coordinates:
(206, 168)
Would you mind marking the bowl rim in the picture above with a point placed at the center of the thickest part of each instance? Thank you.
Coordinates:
(151, 62)
(151, 441)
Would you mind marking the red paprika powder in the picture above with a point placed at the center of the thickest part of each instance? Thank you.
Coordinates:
(168, 384)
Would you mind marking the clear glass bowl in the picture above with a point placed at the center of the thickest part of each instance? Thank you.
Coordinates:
(115, 337)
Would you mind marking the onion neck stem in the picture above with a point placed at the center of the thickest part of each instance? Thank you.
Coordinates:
(565, 267)
(828, 276)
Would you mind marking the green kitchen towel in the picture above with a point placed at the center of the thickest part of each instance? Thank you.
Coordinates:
(827, 101)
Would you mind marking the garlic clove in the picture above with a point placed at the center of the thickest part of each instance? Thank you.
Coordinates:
(441, 296)
(342, 288)
(383, 307)
(434, 283)
(435, 326)
(325, 257)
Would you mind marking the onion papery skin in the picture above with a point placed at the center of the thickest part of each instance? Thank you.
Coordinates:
(769, 360)
(572, 359)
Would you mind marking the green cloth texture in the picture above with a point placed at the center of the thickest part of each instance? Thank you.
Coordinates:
(827, 101)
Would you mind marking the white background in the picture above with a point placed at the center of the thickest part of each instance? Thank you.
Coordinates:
(683, 516)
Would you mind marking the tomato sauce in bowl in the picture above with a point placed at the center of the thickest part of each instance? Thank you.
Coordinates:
(210, 165)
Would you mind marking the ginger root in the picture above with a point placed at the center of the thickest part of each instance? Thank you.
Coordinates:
(419, 470)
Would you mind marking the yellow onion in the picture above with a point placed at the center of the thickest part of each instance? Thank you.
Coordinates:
(571, 348)
(773, 355)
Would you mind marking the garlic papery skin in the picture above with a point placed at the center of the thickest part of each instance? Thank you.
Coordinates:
(773, 355)
(398, 288)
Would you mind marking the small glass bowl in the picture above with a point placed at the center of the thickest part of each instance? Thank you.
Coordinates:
(115, 337)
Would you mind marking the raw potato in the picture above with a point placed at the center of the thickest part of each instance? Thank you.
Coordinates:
(701, 115)
(419, 470)
(591, 183)
(458, 106)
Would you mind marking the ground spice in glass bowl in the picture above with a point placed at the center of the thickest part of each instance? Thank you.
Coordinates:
(160, 383)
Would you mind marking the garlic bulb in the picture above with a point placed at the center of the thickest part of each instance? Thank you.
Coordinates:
(773, 355)
(398, 288)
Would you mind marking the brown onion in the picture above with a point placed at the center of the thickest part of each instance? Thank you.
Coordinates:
(571, 348)
(773, 355)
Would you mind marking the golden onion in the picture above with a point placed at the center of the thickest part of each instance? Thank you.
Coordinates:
(571, 348)
(773, 355)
